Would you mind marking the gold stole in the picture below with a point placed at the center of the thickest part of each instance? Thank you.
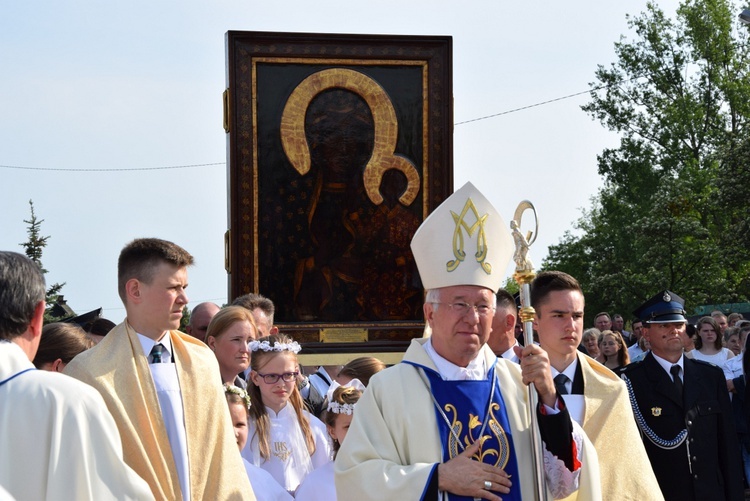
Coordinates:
(118, 368)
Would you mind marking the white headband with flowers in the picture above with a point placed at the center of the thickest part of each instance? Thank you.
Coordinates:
(236, 390)
(338, 408)
(294, 346)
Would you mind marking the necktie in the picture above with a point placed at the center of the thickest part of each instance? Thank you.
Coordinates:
(156, 352)
(675, 370)
(560, 381)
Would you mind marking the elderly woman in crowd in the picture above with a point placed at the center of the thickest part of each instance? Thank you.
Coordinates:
(590, 341)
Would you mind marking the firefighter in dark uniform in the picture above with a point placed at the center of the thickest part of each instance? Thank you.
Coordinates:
(682, 408)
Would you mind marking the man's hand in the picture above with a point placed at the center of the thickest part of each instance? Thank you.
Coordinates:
(730, 386)
(466, 477)
(535, 369)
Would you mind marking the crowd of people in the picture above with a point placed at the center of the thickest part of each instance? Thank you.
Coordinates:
(226, 411)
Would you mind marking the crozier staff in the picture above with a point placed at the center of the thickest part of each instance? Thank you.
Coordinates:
(449, 422)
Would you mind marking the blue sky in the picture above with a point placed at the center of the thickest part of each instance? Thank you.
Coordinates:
(137, 85)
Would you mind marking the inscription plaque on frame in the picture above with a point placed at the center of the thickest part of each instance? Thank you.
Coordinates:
(339, 147)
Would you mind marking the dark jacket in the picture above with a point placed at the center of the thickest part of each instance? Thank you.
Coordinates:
(713, 468)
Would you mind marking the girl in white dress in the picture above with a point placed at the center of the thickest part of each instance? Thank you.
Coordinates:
(264, 485)
(708, 345)
(319, 485)
(285, 440)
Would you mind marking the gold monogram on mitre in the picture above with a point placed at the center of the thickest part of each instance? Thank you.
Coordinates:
(656, 411)
(463, 242)
(458, 237)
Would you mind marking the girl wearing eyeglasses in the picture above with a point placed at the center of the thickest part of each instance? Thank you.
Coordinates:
(285, 440)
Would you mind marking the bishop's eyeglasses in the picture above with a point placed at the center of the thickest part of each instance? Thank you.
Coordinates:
(462, 308)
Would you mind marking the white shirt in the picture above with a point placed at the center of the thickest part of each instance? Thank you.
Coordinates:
(474, 371)
(667, 365)
(511, 354)
(170, 400)
(733, 367)
(634, 351)
(717, 358)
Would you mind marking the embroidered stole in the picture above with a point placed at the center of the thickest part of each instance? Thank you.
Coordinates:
(467, 407)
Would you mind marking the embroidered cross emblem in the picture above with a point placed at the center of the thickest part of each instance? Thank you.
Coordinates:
(281, 451)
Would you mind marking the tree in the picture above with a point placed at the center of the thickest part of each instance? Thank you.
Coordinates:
(34, 248)
(670, 210)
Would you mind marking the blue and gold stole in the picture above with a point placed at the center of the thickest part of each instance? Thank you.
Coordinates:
(473, 409)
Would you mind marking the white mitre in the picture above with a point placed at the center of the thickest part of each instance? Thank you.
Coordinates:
(463, 242)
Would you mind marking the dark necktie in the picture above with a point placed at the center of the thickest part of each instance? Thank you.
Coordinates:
(675, 370)
(560, 381)
(156, 352)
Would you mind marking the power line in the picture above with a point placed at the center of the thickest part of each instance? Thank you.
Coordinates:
(529, 106)
(507, 112)
(110, 170)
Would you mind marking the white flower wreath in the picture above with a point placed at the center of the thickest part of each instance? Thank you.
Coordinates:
(294, 346)
(236, 390)
(338, 408)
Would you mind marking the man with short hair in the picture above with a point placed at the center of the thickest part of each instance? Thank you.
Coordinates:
(636, 350)
(721, 319)
(602, 321)
(682, 407)
(595, 396)
(450, 421)
(58, 438)
(262, 309)
(162, 386)
(618, 324)
(200, 317)
(503, 336)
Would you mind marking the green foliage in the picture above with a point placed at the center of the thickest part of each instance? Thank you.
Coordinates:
(34, 247)
(185, 320)
(673, 212)
(510, 285)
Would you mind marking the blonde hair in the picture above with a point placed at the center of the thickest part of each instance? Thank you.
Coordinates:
(227, 317)
(258, 411)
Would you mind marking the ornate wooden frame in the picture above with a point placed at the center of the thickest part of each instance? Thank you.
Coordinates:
(295, 106)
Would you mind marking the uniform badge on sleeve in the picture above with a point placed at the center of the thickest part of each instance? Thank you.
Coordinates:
(656, 411)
